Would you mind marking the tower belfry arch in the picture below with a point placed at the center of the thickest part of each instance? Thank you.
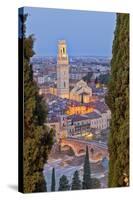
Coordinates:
(62, 70)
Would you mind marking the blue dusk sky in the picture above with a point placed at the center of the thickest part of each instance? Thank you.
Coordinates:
(87, 33)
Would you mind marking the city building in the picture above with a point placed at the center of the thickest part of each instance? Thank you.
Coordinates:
(48, 88)
(40, 80)
(78, 109)
(81, 92)
(62, 70)
(78, 125)
(75, 108)
(59, 125)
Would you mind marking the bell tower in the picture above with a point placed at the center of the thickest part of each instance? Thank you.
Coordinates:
(62, 70)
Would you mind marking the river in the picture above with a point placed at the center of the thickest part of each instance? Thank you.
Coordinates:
(66, 164)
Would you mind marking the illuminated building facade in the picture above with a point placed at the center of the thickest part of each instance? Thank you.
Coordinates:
(81, 92)
(79, 110)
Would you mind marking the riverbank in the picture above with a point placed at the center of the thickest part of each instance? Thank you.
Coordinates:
(66, 164)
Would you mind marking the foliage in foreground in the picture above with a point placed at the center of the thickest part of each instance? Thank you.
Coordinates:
(64, 184)
(38, 139)
(76, 183)
(118, 102)
(87, 172)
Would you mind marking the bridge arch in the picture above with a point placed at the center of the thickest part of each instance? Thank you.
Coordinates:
(64, 146)
(96, 151)
(81, 151)
(68, 147)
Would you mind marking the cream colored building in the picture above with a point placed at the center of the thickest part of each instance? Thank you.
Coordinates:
(99, 120)
(59, 125)
(62, 70)
(44, 90)
(81, 92)
(105, 118)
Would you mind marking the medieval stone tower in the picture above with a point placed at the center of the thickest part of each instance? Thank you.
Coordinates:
(62, 70)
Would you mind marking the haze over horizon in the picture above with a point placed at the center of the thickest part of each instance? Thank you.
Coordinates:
(87, 33)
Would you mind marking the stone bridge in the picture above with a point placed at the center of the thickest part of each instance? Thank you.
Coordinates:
(97, 151)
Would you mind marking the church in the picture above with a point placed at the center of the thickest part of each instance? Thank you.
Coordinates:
(81, 91)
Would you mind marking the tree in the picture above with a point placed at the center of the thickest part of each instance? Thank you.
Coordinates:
(53, 180)
(41, 185)
(95, 183)
(38, 138)
(96, 80)
(104, 78)
(87, 172)
(92, 151)
(118, 102)
(88, 77)
(40, 107)
(76, 183)
(64, 184)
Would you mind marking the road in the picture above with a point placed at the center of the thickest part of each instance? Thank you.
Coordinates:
(97, 144)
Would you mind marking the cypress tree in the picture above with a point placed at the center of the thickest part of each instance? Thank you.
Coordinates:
(41, 185)
(87, 172)
(95, 183)
(87, 78)
(118, 102)
(53, 180)
(76, 183)
(38, 139)
(64, 184)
